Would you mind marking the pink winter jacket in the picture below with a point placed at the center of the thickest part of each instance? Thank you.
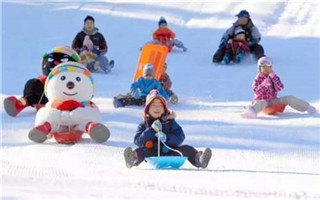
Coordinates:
(266, 87)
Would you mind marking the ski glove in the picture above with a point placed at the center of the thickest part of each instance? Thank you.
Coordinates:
(137, 94)
(162, 136)
(157, 126)
(272, 74)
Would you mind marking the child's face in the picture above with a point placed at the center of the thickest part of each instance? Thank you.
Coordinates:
(241, 36)
(156, 109)
(266, 69)
(163, 25)
(148, 77)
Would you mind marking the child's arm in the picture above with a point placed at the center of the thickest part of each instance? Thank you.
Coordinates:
(165, 80)
(143, 135)
(133, 87)
(162, 91)
(278, 86)
(176, 137)
(260, 87)
(172, 34)
(155, 35)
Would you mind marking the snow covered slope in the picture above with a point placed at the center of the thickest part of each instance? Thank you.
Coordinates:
(273, 157)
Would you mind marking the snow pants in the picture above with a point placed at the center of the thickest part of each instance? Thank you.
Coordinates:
(293, 102)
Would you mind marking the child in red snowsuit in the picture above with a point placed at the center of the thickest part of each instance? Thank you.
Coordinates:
(163, 35)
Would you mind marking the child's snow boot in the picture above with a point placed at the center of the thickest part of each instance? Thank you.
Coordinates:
(174, 99)
(239, 57)
(312, 110)
(226, 59)
(249, 114)
(203, 158)
(130, 157)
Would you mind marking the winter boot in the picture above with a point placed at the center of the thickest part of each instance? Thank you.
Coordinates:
(226, 59)
(249, 114)
(239, 57)
(130, 157)
(39, 133)
(312, 110)
(98, 132)
(117, 103)
(203, 158)
(218, 55)
(174, 99)
(14, 106)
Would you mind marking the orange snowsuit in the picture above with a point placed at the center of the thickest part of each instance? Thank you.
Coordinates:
(163, 35)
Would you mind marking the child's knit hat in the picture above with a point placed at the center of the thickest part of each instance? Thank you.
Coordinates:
(155, 94)
(148, 70)
(162, 20)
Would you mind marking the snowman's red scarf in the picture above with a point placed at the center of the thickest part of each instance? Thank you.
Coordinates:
(70, 105)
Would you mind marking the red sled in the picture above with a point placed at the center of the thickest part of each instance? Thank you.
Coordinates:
(154, 54)
(68, 137)
(274, 109)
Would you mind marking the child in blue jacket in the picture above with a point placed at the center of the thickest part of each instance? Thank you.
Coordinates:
(159, 120)
(140, 89)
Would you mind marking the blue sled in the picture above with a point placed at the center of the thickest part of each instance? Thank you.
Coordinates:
(164, 162)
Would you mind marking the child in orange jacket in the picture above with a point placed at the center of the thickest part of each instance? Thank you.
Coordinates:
(163, 35)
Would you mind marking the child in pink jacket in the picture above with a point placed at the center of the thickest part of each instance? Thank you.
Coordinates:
(266, 86)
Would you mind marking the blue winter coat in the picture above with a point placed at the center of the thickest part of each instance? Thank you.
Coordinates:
(174, 132)
(145, 86)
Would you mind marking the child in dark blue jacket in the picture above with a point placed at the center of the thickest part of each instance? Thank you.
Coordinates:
(159, 120)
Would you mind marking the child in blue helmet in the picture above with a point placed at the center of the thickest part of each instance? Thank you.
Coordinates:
(159, 123)
(140, 89)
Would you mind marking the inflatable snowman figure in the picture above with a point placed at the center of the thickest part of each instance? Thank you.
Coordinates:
(69, 112)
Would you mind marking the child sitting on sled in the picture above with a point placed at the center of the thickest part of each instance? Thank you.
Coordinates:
(237, 47)
(166, 83)
(89, 55)
(163, 35)
(140, 89)
(266, 86)
(159, 122)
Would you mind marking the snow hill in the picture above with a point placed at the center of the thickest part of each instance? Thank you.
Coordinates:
(273, 157)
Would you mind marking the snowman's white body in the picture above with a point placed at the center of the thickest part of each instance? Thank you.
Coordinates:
(58, 88)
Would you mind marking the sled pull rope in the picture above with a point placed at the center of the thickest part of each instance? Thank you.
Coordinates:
(175, 150)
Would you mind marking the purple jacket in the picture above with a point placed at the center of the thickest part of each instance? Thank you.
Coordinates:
(266, 87)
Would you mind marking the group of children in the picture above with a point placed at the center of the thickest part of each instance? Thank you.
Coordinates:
(158, 121)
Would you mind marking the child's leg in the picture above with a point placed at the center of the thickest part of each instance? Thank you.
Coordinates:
(143, 153)
(104, 63)
(154, 42)
(227, 58)
(258, 106)
(177, 43)
(187, 151)
(294, 102)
